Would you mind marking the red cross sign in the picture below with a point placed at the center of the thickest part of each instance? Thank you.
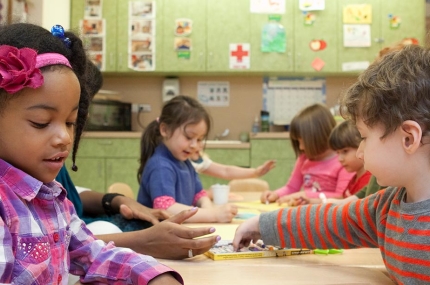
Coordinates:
(239, 56)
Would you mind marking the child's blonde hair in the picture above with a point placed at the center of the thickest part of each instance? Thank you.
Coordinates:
(344, 135)
(313, 125)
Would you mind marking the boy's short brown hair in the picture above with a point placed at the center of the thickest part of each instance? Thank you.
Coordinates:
(392, 90)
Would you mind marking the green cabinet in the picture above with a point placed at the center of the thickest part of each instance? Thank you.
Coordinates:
(278, 149)
(325, 27)
(177, 9)
(228, 156)
(116, 16)
(411, 13)
(103, 161)
(217, 24)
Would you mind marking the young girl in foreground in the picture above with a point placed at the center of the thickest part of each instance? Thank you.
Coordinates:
(167, 178)
(390, 104)
(42, 105)
(344, 139)
(317, 169)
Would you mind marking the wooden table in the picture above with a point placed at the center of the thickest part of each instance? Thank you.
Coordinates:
(352, 267)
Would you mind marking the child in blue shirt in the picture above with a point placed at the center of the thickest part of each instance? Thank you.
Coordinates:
(166, 175)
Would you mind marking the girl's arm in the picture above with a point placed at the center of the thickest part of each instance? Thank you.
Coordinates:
(230, 172)
(296, 179)
(217, 214)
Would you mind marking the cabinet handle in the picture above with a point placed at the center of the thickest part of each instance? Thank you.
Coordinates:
(202, 63)
(109, 170)
(120, 61)
(210, 59)
(112, 59)
(379, 40)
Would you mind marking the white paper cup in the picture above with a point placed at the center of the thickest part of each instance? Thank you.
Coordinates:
(220, 194)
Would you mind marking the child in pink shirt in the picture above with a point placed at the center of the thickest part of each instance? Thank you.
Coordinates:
(344, 139)
(317, 169)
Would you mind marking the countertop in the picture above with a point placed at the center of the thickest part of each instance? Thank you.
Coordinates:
(210, 144)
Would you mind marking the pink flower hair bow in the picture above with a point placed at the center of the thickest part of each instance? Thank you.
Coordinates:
(18, 69)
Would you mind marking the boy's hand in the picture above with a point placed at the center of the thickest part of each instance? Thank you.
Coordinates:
(268, 197)
(225, 213)
(265, 167)
(246, 232)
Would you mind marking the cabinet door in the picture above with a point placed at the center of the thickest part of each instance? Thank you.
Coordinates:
(122, 170)
(354, 54)
(412, 16)
(278, 176)
(194, 10)
(272, 61)
(227, 22)
(271, 149)
(109, 15)
(325, 28)
(238, 157)
(90, 174)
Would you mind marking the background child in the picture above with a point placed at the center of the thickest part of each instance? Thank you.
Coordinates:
(317, 169)
(42, 238)
(390, 104)
(167, 178)
(344, 139)
(169, 240)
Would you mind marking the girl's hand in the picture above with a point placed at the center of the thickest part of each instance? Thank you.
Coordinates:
(268, 196)
(289, 199)
(265, 167)
(131, 209)
(225, 213)
(303, 200)
(246, 232)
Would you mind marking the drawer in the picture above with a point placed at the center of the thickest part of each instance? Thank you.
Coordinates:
(109, 147)
(238, 157)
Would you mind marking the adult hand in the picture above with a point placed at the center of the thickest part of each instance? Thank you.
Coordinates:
(171, 240)
(246, 232)
(268, 196)
(265, 167)
(131, 209)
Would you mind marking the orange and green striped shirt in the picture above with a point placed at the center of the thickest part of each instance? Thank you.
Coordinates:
(400, 230)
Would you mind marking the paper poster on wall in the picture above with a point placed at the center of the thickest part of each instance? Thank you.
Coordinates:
(214, 94)
(141, 35)
(273, 38)
(283, 97)
(357, 14)
(94, 40)
(311, 5)
(183, 27)
(356, 36)
(267, 6)
(93, 9)
(355, 65)
(239, 56)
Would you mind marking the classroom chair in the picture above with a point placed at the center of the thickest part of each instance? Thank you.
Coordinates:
(248, 185)
(121, 188)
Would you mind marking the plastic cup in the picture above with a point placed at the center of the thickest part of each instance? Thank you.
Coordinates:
(220, 194)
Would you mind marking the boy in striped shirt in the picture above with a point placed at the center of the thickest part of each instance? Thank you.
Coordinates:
(390, 104)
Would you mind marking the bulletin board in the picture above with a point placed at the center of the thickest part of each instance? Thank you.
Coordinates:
(283, 97)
